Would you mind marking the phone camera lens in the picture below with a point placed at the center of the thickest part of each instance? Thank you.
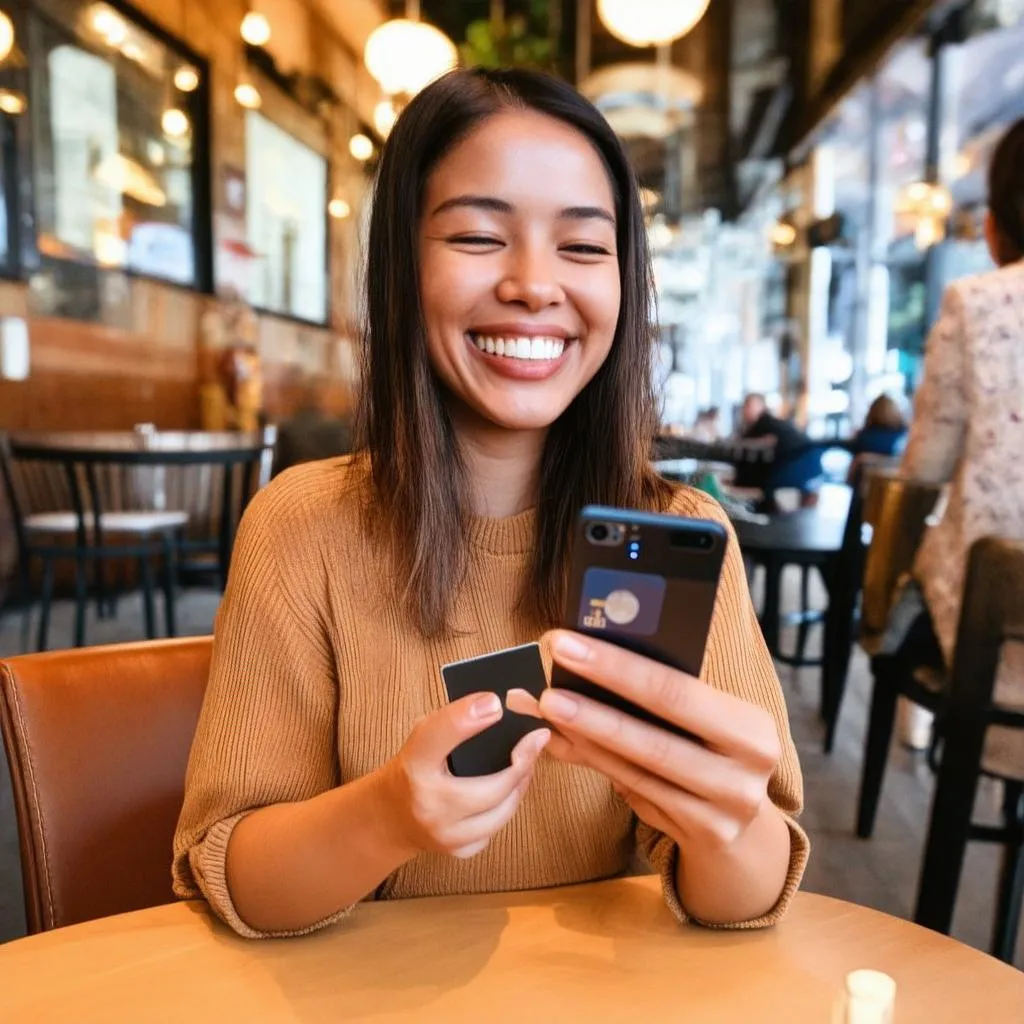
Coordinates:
(599, 532)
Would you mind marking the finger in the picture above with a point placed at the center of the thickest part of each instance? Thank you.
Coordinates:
(481, 827)
(467, 797)
(440, 733)
(681, 762)
(720, 719)
(677, 811)
(522, 702)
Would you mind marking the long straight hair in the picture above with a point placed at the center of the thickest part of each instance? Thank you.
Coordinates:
(598, 451)
(1006, 193)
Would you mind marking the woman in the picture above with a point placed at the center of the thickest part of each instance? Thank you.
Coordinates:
(968, 426)
(883, 436)
(508, 383)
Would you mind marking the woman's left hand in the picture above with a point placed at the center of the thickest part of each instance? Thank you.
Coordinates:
(703, 792)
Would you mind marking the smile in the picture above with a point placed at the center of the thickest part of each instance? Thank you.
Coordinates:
(535, 349)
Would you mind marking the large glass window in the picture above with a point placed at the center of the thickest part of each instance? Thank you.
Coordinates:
(286, 221)
(114, 115)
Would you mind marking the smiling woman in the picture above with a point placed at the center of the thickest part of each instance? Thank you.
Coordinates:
(508, 384)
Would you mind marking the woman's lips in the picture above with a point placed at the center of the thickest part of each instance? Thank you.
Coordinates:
(541, 357)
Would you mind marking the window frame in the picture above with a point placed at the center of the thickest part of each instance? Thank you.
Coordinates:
(22, 219)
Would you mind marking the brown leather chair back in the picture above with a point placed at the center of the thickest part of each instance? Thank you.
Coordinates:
(897, 509)
(98, 741)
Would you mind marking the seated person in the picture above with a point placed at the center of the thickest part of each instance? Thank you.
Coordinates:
(884, 435)
(706, 427)
(793, 459)
(311, 433)
(514, 389)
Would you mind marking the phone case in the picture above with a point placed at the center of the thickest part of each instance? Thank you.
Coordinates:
(653, 593)
(516, 668)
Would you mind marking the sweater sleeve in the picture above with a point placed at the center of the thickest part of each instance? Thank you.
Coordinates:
(737, 661)
(267, 732)
(941, 407)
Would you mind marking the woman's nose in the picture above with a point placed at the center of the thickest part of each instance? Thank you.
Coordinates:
(531, 281)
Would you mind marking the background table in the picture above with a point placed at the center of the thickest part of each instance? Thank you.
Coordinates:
(603, 952)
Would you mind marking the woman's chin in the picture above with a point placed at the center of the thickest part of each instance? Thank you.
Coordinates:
(519, 416)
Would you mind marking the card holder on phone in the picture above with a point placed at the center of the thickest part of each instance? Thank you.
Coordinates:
(516, 668)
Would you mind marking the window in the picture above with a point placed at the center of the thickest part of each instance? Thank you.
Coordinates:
(286, 221)
(117, 119)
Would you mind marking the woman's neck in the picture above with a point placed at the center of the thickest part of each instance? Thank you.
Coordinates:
(502, 466)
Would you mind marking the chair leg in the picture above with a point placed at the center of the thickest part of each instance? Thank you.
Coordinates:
(804, 626)
(146, 578)
(169, 574)
(876, 748)
(1011, 879)
(25, 576)
(81, 600)
(45, 601)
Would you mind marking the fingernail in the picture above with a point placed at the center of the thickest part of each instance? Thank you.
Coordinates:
(539, 740)
(559, 705)
(522, 702)
(487, 706)
(571, 647)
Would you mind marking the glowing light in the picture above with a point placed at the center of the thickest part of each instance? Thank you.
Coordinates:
(248, 96)
(186, 78)
(650, 22)
(404, 55)
(338, 209)
(256, 29)
(175, 123)
(361, 147)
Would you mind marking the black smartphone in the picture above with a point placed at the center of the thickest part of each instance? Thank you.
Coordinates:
(645, 582)
(516, 668)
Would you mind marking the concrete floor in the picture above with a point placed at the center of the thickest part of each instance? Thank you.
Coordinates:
(880, 873)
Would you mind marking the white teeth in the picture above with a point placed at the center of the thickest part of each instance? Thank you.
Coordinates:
(540, 349)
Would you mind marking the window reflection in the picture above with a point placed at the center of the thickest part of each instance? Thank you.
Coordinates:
(112, 143)
(286, 221)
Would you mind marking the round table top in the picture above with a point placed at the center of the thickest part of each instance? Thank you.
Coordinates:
(609, 951)
(807, 531)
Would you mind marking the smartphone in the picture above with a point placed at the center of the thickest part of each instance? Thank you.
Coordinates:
(645, 582)
(518, 667)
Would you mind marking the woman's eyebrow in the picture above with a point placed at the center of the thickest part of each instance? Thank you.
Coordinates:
(494, 205)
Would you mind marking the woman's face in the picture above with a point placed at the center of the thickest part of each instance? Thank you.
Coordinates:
(519, 274)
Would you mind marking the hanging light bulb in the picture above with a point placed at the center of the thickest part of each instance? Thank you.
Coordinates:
(13, 103)
(109, 24)
(174, 123)
(6, 35)
(384, 117)
(405, 55)
(256, 29)
(248, 96)
(186, 78)
(338, 209)
(650, 22)
(361, 147)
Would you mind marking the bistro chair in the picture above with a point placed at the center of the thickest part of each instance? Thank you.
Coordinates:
(98, 742)
(982, 734)
(898, 510)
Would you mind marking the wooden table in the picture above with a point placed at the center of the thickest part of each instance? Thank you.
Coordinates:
(602, 952)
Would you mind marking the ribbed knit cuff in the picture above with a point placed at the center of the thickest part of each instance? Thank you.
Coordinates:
(208, 861)
(664, 860)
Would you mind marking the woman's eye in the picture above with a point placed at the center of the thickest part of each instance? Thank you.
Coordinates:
(586, 249)
(474, 240)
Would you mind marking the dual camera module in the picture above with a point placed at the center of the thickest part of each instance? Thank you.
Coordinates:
(611, 535)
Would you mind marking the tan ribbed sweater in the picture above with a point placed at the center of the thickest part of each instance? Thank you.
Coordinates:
(317, 680)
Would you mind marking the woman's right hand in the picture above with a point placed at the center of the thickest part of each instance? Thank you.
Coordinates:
(440, 813)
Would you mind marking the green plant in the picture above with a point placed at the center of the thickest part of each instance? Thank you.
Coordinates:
(521, 40)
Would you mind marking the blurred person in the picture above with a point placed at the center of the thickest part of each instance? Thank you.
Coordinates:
(883, 436)
(514, 389)
(791, 458)
(707, 425)
(311, 432)
(968, 425)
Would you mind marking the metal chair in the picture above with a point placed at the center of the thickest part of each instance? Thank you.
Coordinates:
(981, 735)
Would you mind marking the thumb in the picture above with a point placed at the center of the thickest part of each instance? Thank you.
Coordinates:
(440, 733)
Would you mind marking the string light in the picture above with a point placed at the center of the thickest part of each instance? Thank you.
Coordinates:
(256, 29)
(174, 123)
(339, 209)
(361, 147)
(186, 78)
(248, 96)
(6, 35)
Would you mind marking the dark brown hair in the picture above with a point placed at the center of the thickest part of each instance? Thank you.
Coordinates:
(1006, 194)
(886, 413)
(599, 449)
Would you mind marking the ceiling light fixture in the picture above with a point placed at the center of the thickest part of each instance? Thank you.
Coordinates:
(650, 22)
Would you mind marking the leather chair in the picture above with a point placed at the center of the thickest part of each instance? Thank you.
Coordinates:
(98, 741)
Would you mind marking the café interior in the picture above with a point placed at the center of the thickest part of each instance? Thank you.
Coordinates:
(186, 195)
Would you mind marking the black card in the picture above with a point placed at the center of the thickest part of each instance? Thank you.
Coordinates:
(519, 668)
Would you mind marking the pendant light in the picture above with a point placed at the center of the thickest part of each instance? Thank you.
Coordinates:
(406, 54)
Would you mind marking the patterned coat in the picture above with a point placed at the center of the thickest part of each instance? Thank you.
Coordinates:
(968, 431)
